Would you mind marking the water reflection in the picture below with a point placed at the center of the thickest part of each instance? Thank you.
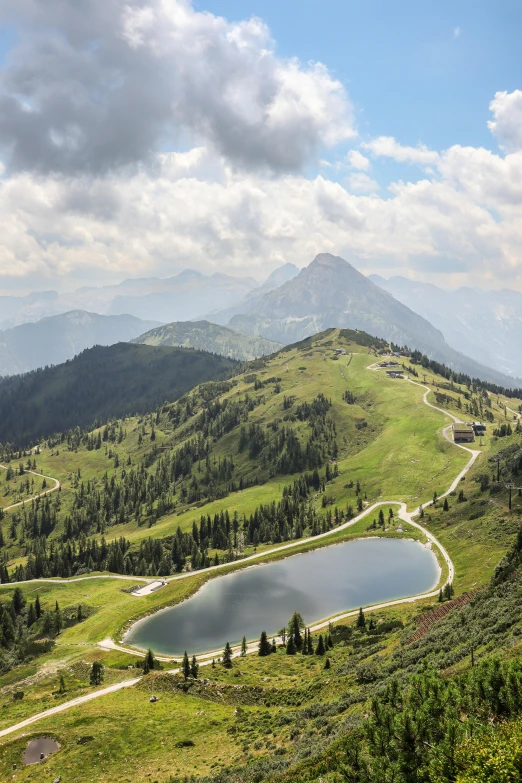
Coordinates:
(317, 584)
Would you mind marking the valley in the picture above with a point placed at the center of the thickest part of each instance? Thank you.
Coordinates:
(386, 451)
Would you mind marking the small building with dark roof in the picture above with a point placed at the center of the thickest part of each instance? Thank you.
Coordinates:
(463, 433)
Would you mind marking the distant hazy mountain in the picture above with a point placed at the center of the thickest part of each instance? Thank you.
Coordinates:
(101, 383)
(55, 339)
(206, 336)
(278, 277)
(187, 295)
(486, 325)
(332, 293)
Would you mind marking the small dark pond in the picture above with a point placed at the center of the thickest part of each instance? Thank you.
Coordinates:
(39, 746)
(317, 584)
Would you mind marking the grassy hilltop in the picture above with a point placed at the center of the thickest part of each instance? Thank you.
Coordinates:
(320, 434)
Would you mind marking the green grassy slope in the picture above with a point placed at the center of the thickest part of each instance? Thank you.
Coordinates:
(289, 719)
(206, 336)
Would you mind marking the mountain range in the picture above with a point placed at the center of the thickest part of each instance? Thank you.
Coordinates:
(330, 292)
(476, 332)
(184, 296)
(485, 325)
(55, 339)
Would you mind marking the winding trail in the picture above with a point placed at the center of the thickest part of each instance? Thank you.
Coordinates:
(57, 485)
(206, 659)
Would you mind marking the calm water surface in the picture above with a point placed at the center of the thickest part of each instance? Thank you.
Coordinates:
(317, 584)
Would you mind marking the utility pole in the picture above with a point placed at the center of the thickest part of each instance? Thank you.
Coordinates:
(511, 487)
(497, 460)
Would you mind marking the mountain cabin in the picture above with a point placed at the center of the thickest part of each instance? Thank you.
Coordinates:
(463, 433)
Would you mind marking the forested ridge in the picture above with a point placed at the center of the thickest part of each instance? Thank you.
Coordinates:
(100, 383)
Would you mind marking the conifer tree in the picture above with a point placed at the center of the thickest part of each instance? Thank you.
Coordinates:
(227, 656)
(290, 646)
(319, 650)
(62, 688)
(243, 647)
(79, 613)
(327, 663)
(96, 675)
(31, 616)
(265, 648)
(150, 659)
(361, 620)
(194, 667)
(310, 649)
(185, 666)
(294, 629)
(37, 607)
(446, 505)
(18, 600)
(274, 646)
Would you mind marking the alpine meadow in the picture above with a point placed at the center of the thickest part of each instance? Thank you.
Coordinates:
(260, 392)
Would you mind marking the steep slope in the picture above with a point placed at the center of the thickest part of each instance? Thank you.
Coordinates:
(206, 336)
(485, 325)
(101, 382)
(330, 292)
(55, 339)
(279, 277)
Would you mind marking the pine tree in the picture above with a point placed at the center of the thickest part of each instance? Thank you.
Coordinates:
(294, 629)
(146, 666)
(446, 505)
(194, 667)
(79, 613)
(441, 597)
(18, 601)
(243, 647)
(361, 620)
(274, 646)
(96, 675)
(185, 666)
(227, 656)
(310, 648)
(265, 647)
(150, 659)
(290, 646)
(62, 688)
(329, 641)
(319, 650)
(327, 663)
(31, 616)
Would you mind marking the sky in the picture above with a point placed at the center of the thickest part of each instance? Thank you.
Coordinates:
(142, 137)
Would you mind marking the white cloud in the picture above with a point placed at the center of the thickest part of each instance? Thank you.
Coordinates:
(388, 147)
(358, 161)
(362, 183)
(507, 125)
(159, 73)
(87, 192)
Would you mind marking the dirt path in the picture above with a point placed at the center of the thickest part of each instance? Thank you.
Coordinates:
(57, 486)
(68, 704)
